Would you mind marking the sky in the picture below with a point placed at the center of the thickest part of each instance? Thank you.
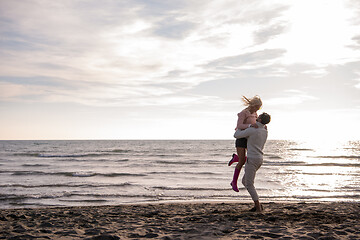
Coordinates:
(153, 69)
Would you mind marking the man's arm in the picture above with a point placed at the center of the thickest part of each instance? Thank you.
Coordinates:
(244, 133)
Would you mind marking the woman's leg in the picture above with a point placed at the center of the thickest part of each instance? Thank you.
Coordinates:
(241, 153)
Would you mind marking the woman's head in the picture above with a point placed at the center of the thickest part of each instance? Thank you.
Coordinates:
(253, 104)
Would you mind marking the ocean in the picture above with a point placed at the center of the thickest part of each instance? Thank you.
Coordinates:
(109, 172)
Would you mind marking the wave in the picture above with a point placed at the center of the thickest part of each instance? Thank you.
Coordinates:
(301, 149)
(74, 155)
(21, 197)
(350, 157)
(71, 155)
(83, 200)
(191, 188)
(42, 155)
(67, 196)
(302, 172)
(350, 196)
(11, 197)
(165, 155)
(122, 160)
(91, 160)
(73, 174)
(35, 165)
(201, 188)
(70, 185)
(190, 162)
(121, 151)
(332, 165)
(22, 200)
(121, 174)
(176, 162)
(304, 164)
(92, 174)
(329, 174)
(111, 195)
(284, 163)
(273, 156)
(27, 154)
(342, 189)
(184, 173)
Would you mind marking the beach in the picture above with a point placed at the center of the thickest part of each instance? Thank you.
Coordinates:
(186, 220)
(179, 189)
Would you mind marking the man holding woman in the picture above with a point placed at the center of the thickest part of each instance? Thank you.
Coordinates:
(251, 133)
(246, 118)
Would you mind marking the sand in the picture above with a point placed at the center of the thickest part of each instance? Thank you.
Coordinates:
(185, 221)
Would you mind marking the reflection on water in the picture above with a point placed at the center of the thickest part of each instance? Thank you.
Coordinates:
(63, 173)
(320, 170)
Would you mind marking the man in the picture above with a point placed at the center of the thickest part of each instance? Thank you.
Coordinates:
(256, 140)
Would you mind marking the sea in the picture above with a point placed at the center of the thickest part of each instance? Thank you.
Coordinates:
(111, 172)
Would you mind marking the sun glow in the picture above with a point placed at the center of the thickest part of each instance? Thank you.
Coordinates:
(319, 34)
(315, 127)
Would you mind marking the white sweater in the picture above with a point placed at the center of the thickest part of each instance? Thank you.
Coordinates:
(256, 140)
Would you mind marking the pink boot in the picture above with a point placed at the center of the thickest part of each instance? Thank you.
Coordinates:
(235, 179)
(234, 158)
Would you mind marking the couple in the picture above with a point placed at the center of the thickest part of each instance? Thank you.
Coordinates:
(251, 134)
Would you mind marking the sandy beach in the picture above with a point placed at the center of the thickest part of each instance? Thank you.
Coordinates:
(221, 220)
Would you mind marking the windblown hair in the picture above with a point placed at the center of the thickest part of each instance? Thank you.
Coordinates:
(255, 101)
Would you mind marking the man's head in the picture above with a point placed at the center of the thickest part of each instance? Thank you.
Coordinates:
(264, 118)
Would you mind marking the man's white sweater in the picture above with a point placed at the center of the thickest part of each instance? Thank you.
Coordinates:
(256, 140)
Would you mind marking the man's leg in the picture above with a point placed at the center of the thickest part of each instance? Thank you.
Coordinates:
(251, 167)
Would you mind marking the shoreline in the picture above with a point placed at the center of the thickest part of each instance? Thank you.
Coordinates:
(186, 220)
(193, 201)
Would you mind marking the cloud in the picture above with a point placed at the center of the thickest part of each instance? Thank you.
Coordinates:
(9, 91)
(291, 97)
(258, 58)
(148, 59)
(112, 53)
(357, 79)
(259, 13)
(266, 33)
(57, 90)
(154, 8)
(172, 28)
(354, 5)
(356, 43)
(358, 85)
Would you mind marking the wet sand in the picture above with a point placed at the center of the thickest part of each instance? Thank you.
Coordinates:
(333, 220)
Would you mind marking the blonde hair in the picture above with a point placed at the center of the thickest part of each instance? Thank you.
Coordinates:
(255, 101)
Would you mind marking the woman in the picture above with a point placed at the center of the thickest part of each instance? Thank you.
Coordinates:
(246, 118)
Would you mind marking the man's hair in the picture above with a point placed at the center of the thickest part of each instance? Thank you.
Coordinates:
(265, 118)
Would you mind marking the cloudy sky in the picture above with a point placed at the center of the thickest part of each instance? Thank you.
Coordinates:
(154, 69)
